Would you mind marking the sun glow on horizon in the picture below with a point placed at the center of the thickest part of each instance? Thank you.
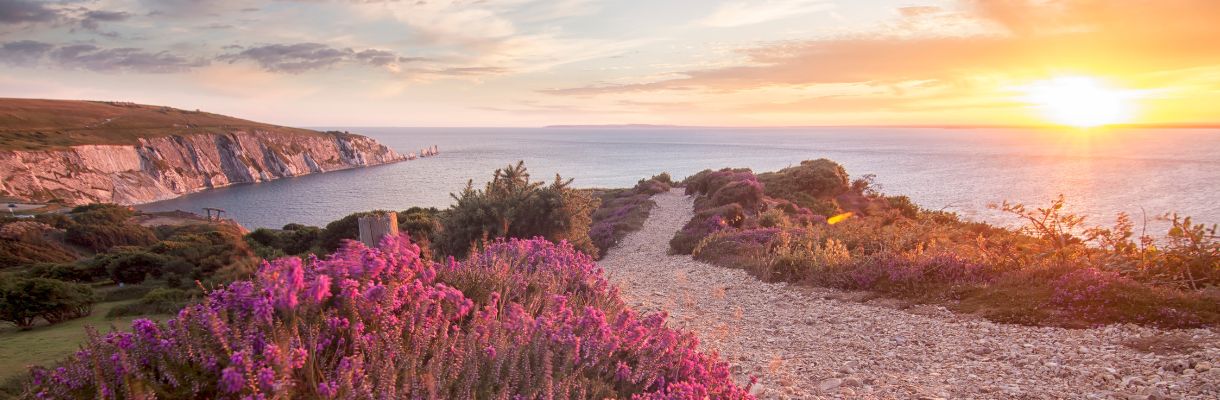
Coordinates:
(1080, 101)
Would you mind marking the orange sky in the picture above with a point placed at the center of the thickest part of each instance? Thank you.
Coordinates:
(541, 62)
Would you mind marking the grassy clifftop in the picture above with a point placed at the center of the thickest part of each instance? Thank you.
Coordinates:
(36, 124)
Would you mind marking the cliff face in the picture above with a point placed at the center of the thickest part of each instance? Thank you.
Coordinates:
(163, 167)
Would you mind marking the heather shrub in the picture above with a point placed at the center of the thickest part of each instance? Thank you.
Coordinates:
(807, 183)
(382, 323)
(658, 184)
(705, 223)
(748, 193)
(513, 206)
(24, 300)
(800, 255)
(740, 248)
(708, 182)
(773, 218)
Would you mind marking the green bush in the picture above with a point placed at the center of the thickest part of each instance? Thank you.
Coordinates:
(513, 206)
(103, 237)
(131, 267)
(69, 272)
(807, 183)
(101, 214)
(211, 251)
(24, 300)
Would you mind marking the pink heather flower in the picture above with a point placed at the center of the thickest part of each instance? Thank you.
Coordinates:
(231, 380)
(266, 378)
(328, 389)
(320, 290)
(299, 356)
(491, 351)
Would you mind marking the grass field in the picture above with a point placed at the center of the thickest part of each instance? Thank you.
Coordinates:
(34, 124)
(47, 344)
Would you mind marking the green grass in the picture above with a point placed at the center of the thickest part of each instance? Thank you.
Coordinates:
(45, 345)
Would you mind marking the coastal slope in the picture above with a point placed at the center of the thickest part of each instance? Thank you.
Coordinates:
(78, 152)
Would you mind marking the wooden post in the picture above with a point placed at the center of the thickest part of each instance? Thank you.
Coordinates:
(373, 228)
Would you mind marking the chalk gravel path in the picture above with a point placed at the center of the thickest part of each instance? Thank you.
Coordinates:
(804, 343)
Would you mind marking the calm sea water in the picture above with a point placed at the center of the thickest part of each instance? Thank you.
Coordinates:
(1142, 172)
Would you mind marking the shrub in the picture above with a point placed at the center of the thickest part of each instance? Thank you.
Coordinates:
(27, 242)
(24, 300)
(748, 193)
(807, 183)
(130, 267)
(69, 272)
(103, 237)
(421, 223)
(101, 214)
(381, 323)
(620, 212)
(206, 251)
(739, 248)
(512, 206)
(705, 223)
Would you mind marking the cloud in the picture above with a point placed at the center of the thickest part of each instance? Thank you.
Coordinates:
(23, 11)
(1028, 37)
(125, 59)
(93, 19)
(740, 13)
(24, 52)
(303, 57)
(29, 53)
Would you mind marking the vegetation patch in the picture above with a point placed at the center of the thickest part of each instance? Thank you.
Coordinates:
(813, 225)
(539, 321)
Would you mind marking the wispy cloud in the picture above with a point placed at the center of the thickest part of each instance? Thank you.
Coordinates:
(93, 58)
(23, 11)
(296, 58)
(739, 13)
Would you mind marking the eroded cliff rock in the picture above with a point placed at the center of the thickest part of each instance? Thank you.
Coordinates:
(168, 166)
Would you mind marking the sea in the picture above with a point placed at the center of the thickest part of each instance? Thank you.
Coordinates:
(1143, 172)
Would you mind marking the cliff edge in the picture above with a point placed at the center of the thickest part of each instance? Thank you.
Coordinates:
(78, 152)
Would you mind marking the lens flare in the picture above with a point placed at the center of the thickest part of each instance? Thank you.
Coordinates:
(839, 218)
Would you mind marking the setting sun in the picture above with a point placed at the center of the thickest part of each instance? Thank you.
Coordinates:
(1080, 101)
